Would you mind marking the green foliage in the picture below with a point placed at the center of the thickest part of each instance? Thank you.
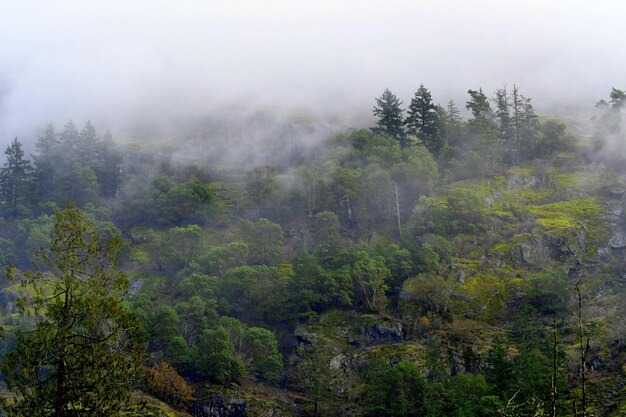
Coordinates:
(251, 292)
(326, 231)
(462, 211)
(389, 115)
(82, 355)
(261, 189)
(315, 288)
(174, 203)
(216, 357)
(423, 120)
(262, 350)
(17, 185)
(549, 291)
(425, 294)
(397, 390)
(264, 240)
(426, 259)
(370, 276)
(165, 325)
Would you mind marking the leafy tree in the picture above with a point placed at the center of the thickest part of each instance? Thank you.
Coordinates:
(175, 203)
(193, 318)
(389, 114)
(346, 185)
(217, 260)
(264, 239)
(423, 120)
(416, 175)
(261, 189)
(397, 391)
(82, 356)
(552, 139)
(314, 288)
(251, 292)
(425, 295)
(17, 184)
(370, 276)
(216, 357)
(467, 209)
(326, 230)
(164, 326)
(261, 348)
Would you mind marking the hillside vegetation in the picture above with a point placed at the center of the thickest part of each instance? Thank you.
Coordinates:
(433, 265)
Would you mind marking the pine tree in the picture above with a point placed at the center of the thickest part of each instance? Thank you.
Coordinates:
(618, 97)
(88, 144)
(82, 357)
(503, 119)
(482, 137)
(45, 162)
(479, 104)
(423, 119)
(388, 110)
(108, 166)
(16, 180)
(525, 126)
(69, 140)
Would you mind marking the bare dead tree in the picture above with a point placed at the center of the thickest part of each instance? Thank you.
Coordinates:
(584, 351)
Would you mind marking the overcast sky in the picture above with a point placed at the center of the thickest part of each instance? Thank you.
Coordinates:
(117, 62)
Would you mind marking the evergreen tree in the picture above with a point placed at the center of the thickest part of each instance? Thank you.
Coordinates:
(503, 120)
(423, 119)
(45, 162)
(81, 358)
(452, 113)
(88, 146)
(482, 138)
(479, 106)
(69, 140)
(525, 126)
(108, 166)
(450, 124)
(388, 110)
(16, 180)
(617, 98)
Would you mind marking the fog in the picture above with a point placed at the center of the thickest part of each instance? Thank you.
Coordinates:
(128, 65)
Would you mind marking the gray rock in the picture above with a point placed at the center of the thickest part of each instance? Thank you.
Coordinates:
(379, 334)
(618, 240)
(216, 405)
(520, 181)
(304, 337)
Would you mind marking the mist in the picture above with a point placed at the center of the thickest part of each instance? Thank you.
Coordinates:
(141, 68)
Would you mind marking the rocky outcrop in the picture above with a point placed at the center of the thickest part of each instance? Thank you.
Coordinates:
(219, 406)
(377, 334)
(216, 405)
(305, 338)
(535, 252)
(515, 182)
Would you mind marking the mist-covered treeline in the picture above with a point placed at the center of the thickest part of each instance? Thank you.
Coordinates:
(466, 234)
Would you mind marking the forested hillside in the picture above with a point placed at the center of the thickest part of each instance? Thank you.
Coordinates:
(433, 264)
